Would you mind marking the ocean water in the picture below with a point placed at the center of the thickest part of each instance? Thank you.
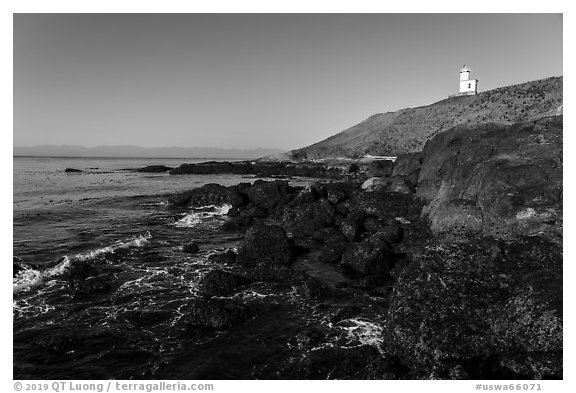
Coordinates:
(116, 227)
(106, 215)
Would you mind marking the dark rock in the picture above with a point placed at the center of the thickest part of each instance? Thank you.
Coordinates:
(312, 288)
(269, 195)
(260, 169)
(73, 170)
(311, 337)
(339, 191)
(214, 313)
(460, 304)
(242, 220)
(391, 233)
(191, 247)
(373, 255)
(307, 219)
(305, 195)
(363, 362)
(387, 206)
(209, 194)
(154, 169)
(266, 272)
(498, 179)
(212, 167)
(220, 283)
(373, 225)
(352, 226)
(265, 244)
(333, 247)
(353, 168)
(227, 257)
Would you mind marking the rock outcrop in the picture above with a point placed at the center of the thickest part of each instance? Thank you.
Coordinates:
(496, 179)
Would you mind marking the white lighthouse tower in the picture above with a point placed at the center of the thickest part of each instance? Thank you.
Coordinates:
(467, 86)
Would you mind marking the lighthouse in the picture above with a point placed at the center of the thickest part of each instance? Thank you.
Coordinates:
(467, 86)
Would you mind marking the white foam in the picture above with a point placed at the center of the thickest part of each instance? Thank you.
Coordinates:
(29, 278)
(199, 214)
(363, 331)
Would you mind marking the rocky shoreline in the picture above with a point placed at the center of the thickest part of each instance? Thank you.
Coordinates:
(456, 253)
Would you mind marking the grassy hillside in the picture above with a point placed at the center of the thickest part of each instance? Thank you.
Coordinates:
(407, 130)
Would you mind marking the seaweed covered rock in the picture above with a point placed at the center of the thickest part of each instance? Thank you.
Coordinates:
(308, 219)
(474, 307)
(265, 244)
(220, 283)
(372, 255)
(269, 195)
(352, 225)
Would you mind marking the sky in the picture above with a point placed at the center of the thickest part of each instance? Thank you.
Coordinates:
(254, 80)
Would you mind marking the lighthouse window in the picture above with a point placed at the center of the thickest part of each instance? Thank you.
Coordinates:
(469, 85)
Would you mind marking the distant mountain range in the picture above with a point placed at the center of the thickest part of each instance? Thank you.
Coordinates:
(127, 151)
(407, 130)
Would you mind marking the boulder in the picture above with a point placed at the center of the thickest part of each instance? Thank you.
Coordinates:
(352, 225)
(220, 283)
(227, 257)
(371, 256)
(265, 244)
(214, 313)
(334, 244)
(269, 195)
(308, 219)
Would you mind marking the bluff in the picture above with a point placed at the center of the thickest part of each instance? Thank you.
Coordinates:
(407, 130)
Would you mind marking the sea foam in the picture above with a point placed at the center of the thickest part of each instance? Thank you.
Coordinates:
(29, 277)
(199, 214)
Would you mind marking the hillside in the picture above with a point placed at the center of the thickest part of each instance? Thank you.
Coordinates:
(407, 130)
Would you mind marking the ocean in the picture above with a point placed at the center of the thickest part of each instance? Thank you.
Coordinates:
(118, 223)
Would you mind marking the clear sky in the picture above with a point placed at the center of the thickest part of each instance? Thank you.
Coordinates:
(254, 80)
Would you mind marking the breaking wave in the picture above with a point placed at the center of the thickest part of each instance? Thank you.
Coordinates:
(202, 213)
(30, 277)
